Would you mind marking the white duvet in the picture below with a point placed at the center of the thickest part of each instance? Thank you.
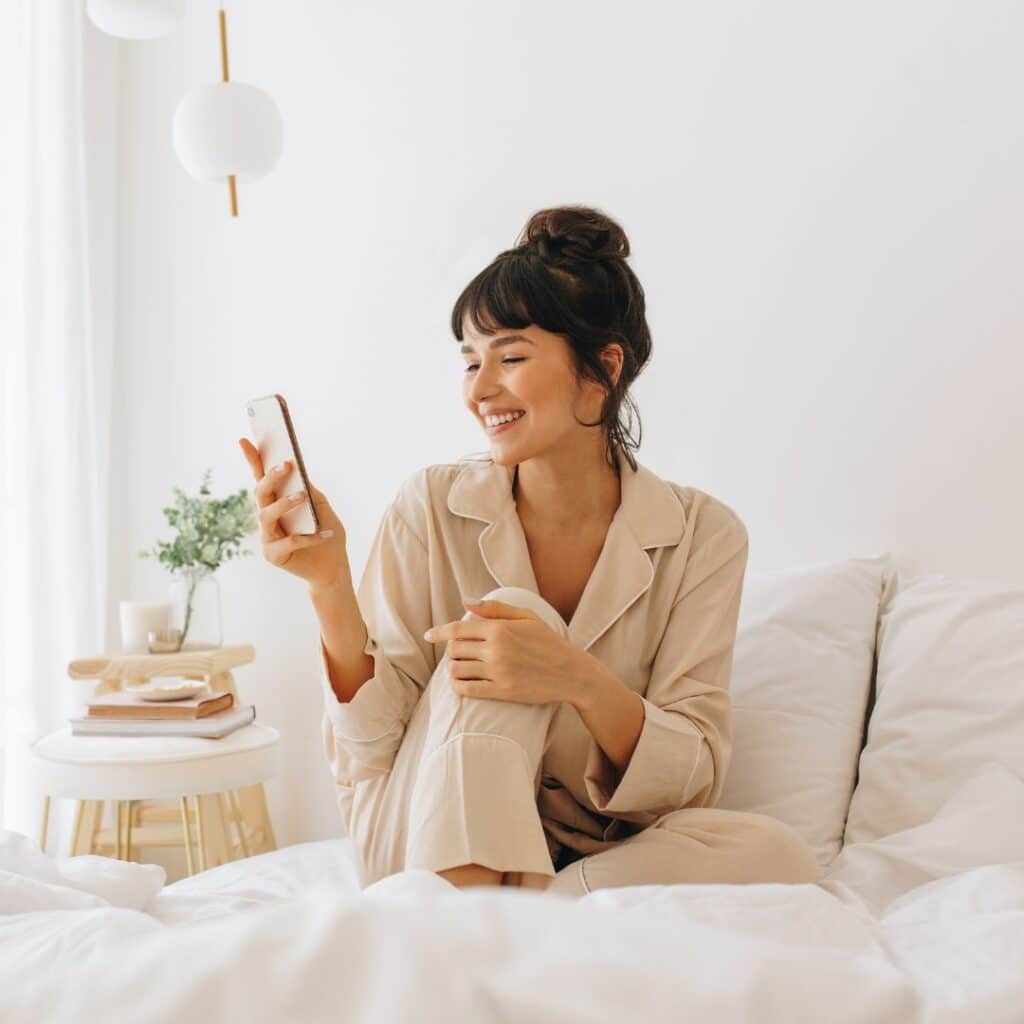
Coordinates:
(292, 936)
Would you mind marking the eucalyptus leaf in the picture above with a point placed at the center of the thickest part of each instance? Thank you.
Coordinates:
(209, 531)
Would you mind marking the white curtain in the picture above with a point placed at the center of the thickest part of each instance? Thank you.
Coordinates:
(55, 372)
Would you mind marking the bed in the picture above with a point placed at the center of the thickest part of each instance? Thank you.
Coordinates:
(881, 716)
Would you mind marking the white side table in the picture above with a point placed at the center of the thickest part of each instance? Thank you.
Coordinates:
(126, 769)
(158, 821)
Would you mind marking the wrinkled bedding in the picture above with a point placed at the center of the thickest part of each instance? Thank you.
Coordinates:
(293, 935)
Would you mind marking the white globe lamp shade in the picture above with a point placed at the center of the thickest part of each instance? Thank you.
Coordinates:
(136, 19)
(228, 128)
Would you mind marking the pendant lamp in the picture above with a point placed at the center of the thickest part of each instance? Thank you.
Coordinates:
(136, 19)
(227, 129)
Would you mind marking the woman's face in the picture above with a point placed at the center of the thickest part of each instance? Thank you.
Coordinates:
(528, 373)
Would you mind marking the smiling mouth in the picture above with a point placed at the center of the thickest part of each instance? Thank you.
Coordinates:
(501, 427)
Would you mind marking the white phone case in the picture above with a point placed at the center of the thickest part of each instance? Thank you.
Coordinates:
(273, 440)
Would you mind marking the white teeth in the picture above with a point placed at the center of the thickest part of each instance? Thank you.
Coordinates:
(493, 421)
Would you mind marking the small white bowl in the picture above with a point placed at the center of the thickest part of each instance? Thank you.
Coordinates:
(171, 691)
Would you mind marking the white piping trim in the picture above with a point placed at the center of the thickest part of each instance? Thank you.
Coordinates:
(491, 735)
(583, 876)
(622, 611)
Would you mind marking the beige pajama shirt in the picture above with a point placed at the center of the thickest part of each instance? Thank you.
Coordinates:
(426, 778)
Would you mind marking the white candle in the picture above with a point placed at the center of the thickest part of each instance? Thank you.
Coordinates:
(137, 619)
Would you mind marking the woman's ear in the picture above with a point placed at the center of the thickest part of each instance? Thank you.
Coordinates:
(611, 357)
(595, 393)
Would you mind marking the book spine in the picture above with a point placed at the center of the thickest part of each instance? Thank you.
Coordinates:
(110, 727)
(156, 712)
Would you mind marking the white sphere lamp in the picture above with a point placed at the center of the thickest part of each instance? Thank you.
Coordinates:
(136, 19)
(227, 130)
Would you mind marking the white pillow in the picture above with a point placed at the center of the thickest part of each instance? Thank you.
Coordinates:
(980, 824)
(801, 676)
(950, 696)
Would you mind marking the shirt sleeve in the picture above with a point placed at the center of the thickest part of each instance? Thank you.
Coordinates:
(362, 735)
(686, 739)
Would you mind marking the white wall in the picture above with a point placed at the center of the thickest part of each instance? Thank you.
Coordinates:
(824, 201)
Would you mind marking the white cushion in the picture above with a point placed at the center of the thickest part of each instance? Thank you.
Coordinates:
(152, 767)
(979, 825)
(800, 684)
(950, 696)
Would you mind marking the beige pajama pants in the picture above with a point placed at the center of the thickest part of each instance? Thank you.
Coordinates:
(463, 790)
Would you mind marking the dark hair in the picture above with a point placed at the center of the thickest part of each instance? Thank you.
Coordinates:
(568, 275)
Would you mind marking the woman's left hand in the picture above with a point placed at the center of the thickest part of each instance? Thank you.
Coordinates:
(509, 653)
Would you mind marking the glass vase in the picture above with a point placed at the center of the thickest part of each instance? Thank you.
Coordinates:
(195, 608)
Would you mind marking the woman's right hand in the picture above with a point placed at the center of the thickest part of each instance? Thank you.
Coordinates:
(317, 559)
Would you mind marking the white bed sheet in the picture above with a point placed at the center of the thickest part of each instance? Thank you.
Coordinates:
(291, 935)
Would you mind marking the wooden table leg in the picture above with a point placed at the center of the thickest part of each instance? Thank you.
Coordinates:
(198, 798)
(227, 814)
(225, 823)
(128, 833)
(253, 804)
(76, 829)
(92, 818)
(216, 837)
(188, 835)
(236, 813)
(46, 823)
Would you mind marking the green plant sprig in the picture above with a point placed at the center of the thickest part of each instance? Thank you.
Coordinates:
(209, 530)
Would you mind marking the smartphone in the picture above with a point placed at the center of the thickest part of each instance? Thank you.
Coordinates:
(274, 436)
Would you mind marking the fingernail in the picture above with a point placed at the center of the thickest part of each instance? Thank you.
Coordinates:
(429, 635)
(472, 600)
(295, 497)
(326, 533)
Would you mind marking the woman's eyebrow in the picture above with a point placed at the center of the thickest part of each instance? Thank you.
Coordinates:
(507, 340)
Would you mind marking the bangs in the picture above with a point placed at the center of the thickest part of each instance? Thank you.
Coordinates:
(509, 294)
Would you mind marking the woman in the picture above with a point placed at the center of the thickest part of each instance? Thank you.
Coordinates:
(570, 730)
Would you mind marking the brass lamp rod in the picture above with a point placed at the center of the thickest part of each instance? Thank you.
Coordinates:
(224, 75)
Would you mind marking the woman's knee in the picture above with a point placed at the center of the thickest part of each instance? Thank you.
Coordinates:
(452, 713)
(523, 598)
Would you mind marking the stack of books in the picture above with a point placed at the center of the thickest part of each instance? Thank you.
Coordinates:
(212, 714)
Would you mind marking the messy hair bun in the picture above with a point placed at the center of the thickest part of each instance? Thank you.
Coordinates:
(568, 275)
(575, 232)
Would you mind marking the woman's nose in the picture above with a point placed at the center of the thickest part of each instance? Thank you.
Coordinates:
(481, 386)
